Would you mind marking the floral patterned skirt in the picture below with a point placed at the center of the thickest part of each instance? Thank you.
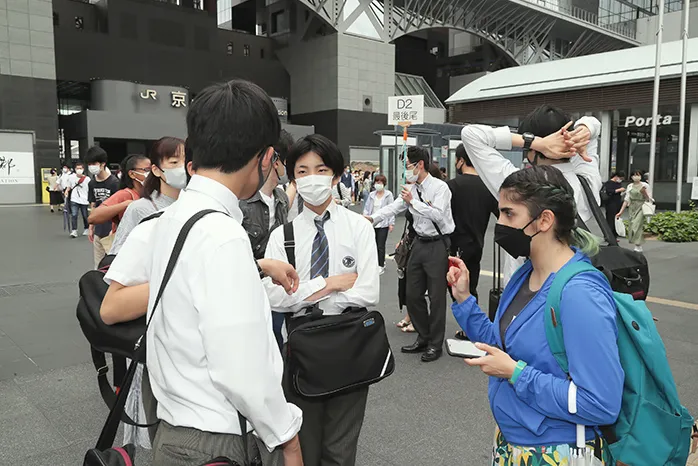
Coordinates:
(506, 454)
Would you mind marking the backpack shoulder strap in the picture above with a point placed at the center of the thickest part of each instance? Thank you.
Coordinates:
(339, 191)
(290, 244)
(152, 216)
(553, 321)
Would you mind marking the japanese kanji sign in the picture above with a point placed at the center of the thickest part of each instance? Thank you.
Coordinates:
(406, 109)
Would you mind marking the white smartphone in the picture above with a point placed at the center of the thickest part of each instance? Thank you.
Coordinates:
(463, 349)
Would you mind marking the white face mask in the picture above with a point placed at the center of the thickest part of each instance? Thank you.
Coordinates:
(176, 177)
(315, 189)
(94, 169)
(65, 170)
(412, 175)
(379, 187)
(636, 178)
(79, 171)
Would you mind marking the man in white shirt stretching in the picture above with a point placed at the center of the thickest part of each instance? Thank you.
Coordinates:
(211, 350)
(337, 264)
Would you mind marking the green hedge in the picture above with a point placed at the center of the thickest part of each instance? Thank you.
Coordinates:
(675, 228)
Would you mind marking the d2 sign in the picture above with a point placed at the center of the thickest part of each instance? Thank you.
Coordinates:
(406, 109)
(640, 122)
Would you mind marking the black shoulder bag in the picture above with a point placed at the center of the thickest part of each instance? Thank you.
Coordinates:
(496, 291)
(318, 346)
(626, 270)
(103, 454)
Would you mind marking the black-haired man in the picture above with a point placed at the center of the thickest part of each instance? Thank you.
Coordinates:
(337, 265)
(429, 202)
(545, 139)
(207, 364)
(78, 193)
(102, 186)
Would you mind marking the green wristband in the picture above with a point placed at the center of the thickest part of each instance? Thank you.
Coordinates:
(520, 366)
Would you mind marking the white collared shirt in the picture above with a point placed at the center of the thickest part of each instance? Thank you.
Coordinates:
(211, 348)
(435, 207)
(352, 249)
(482, 143)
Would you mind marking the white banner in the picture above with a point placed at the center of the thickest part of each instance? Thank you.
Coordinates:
(406, 109)
(16, 168)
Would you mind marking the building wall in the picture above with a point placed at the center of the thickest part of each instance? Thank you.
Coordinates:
(673, 27)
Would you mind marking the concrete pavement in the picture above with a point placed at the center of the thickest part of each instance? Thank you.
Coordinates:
(425, 414)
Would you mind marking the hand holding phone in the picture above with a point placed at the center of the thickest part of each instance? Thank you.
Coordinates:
(463, 349)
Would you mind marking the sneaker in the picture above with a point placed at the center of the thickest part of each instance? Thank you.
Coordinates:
(74, 234)
(86, 232)
(638, 249)
(382, 270)
(52, 210)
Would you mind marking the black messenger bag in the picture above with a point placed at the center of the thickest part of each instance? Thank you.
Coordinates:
(329, 355)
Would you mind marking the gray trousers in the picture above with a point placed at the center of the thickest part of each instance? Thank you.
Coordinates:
(184, 446)
(331, 427)
(426, 271)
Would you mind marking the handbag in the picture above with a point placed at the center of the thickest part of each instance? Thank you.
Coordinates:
(496, 291)
(626, 270)
(402, 251)
(648, 208)
(620, 227)
(330, 355)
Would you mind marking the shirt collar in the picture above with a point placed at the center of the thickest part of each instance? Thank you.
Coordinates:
(565, 167)
(218, 192)
(310, 216)
(426, 181)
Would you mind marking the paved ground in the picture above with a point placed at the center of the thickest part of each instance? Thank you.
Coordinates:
(425, 414)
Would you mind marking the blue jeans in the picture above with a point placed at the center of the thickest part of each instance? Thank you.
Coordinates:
(74, 208)
(277, 322)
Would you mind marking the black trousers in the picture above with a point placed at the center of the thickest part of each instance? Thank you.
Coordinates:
(426, 271)
(381, 239)
(471, 254)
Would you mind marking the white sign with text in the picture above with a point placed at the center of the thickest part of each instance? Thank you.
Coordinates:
(406, 109)
(641, 121)
(16, 168)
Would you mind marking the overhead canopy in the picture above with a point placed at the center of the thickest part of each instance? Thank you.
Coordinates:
(590, 71)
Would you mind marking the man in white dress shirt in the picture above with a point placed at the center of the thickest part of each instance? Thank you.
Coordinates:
(429, 201)
(544, 143)
(211, 350)
(337, 266)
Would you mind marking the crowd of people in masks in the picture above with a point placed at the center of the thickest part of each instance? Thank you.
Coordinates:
(216, 347)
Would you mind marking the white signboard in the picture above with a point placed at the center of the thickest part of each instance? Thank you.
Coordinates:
(406, 109)
(694, 189)
(16, 168)
(641, 121)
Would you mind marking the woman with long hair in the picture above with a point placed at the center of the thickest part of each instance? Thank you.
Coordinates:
(636, 195)
(529, 392)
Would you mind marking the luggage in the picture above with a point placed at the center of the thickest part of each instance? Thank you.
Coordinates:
(653, 428)
(626, 270)
(330, 355)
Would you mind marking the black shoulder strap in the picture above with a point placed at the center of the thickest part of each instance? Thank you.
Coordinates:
(596, 211)
(339, 191)
(152, 216)
(106, 438)
(438, 230)
(290, 244)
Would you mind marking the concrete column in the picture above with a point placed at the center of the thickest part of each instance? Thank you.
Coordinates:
(605, 144)
(691, 168)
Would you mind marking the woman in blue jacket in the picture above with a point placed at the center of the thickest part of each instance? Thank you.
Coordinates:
(530, 396)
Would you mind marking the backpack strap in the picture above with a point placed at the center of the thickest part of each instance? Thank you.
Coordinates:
(339, 191)
(290, 244)
(108, 434)
(152, 216)
(553, 321)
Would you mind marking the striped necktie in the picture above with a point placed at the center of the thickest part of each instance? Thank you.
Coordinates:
(320, 258)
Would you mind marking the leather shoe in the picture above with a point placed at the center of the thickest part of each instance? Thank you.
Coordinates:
(432, 354)
(416, 347)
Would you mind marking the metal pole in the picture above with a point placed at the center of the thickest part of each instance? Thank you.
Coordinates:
(655, 98)
(682, 107)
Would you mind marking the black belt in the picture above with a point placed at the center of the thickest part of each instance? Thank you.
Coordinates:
(428, 239)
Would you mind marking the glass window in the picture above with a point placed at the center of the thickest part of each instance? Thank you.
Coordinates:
(229, 48)
(246, 50)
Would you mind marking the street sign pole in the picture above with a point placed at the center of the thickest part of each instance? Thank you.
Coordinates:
(682, 106)
(655, 97)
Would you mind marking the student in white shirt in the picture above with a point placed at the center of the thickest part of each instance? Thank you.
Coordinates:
(336, 262)
(544, 143)
(429, 202)
(78, 184)
(211, 350)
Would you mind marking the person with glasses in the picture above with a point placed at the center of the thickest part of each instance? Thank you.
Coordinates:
(268, 209)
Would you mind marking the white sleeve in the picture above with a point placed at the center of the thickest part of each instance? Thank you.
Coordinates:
(279, 300)
(131, 266)
(237, 340)
(438, 206)
(590, 170)
(391, 210)
(366, 289)
(481, 143)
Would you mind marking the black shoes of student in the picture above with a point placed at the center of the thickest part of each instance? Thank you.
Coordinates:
(416, 347)
(431, 355)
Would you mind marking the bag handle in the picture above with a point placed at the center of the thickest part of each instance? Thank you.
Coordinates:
(596, 211)
(108, 434)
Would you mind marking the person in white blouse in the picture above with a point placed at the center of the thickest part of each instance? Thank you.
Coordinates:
(378, 199)
(336, 262)
(211, 350)
(429, 201)
(545, 139)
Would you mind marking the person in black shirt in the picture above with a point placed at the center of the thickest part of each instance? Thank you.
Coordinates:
(472, 204)
(615, 190)
(102, 186)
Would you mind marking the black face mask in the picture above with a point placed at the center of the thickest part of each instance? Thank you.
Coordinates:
(513, 240)
(260, 173)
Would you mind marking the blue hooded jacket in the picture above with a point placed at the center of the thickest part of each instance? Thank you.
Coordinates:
(534, 411)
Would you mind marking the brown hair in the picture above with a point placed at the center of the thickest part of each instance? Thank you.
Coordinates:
(380, 178)
(163, 148)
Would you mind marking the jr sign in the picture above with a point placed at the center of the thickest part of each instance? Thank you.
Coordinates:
(406, 109)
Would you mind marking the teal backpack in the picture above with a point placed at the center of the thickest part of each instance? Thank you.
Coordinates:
(652, 429)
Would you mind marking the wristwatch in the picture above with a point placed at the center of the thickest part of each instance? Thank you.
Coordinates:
(259, 269)
(528, 140)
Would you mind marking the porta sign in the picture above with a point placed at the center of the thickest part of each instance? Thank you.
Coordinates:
(640, 121)
(406, 109)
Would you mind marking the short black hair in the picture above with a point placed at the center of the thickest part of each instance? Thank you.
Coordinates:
(416, 154)
(462, 154)
(619, 174)
(544, 120)
(283, 145)
(326, 149)
(96, 154)
(162, 149)
(188, 157)
(78, 163)
(229, 124)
